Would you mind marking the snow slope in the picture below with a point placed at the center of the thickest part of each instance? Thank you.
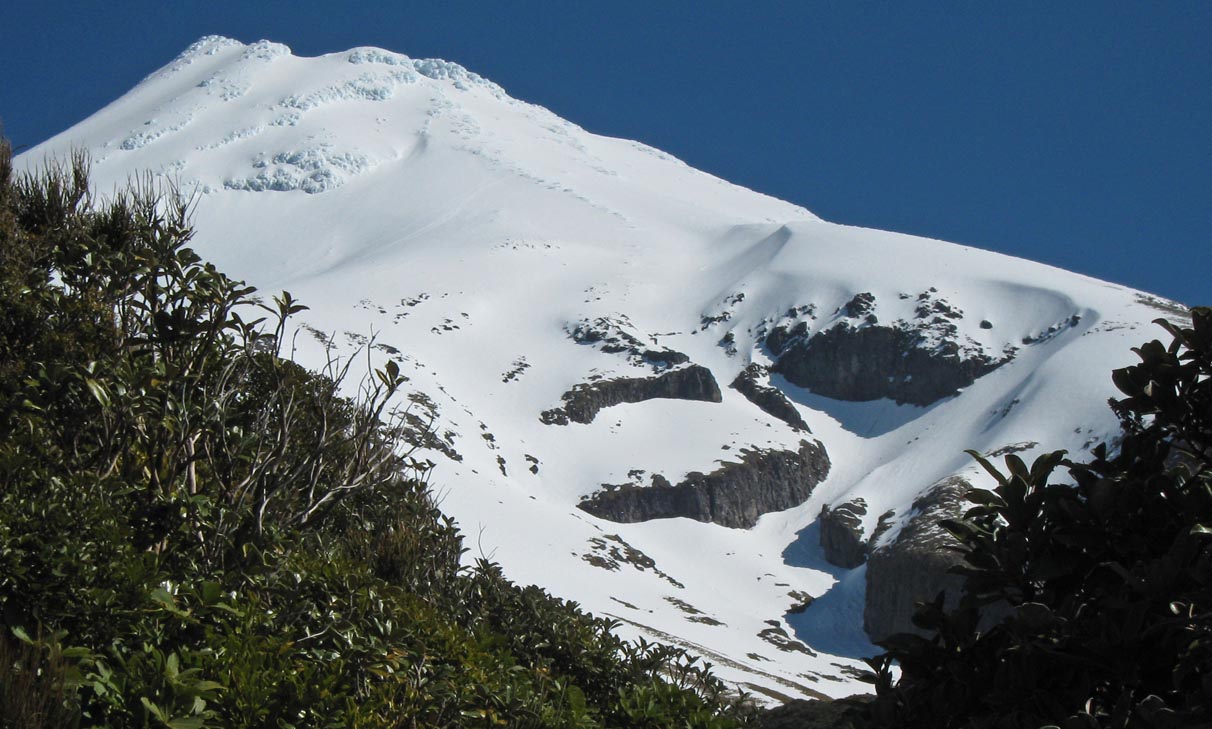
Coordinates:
(415, 206)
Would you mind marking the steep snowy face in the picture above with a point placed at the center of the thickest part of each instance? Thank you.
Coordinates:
(425, 144)
(687, 405)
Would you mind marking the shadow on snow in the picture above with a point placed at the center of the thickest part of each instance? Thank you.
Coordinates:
(868, 419)
(833, 623)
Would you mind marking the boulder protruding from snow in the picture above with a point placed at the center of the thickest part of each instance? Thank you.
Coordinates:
(842, 533)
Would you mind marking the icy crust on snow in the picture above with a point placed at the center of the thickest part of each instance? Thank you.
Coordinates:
(209, 45)
(503, 257)
(310, 170)
(232, 72)
(367, 87)
(434, 68)
(155, 129)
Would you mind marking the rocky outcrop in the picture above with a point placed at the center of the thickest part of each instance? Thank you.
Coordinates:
(914, 567)
(416, 425)
(842, 533)
(918, 361)
(734, 495)
(770, 399)
(583, 402)
(619, 336)
(872, 362)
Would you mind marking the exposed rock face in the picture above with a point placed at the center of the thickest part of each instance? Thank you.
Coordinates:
(861, 306)
(734, 495)
(779, 338)
(867, 363)
(770, 399)
(914, 568)
(582, 403)
(842, 533)
(918, 361)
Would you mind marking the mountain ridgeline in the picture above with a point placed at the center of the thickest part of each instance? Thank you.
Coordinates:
(702, 413)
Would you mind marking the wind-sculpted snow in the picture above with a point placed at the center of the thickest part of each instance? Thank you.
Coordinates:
(265, 51)
(154, 130)
(434, 68)
(505, 258)
(310, 170)
(366, 87)
(206, 46)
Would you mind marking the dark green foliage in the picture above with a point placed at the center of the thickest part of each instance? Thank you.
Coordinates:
(812, 714)
(1086, 605)
(197, 532)
(35, 690)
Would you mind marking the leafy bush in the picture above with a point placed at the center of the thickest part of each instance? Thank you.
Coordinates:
(1103, 588)
(197, 532)
(34, 685)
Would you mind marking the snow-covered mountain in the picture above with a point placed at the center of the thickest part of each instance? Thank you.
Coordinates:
(645, 383)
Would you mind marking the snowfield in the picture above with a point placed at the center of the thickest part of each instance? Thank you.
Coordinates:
(424, 214)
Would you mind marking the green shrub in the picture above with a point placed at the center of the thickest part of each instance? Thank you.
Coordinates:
(36, 685)
(1104, 588)
(216, 537)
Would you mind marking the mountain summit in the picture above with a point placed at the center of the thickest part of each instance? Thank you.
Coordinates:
(692, 407)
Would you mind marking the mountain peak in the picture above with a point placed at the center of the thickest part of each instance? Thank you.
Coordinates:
(596, 334)
(209, 45)
(229, 116)
(265, 50)
(234, 57)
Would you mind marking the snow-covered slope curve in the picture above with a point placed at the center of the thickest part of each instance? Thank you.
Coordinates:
(517, 266)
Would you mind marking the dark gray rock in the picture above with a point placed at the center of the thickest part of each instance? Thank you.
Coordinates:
(770, 399)
(914, 567)
(734, 495)
(618, 336)
(881, 526)
(861, 306)
(842, 533)
(610, 552)
(872, 362)
(583, 402)
(779, 337)
(920, 360)
(776, 636)
(417, 427)
(662, 358)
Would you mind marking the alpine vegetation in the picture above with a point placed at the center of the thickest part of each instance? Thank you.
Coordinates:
(196, 531)
(1087, 600)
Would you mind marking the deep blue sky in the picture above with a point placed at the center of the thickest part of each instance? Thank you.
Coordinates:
(1074, 133)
